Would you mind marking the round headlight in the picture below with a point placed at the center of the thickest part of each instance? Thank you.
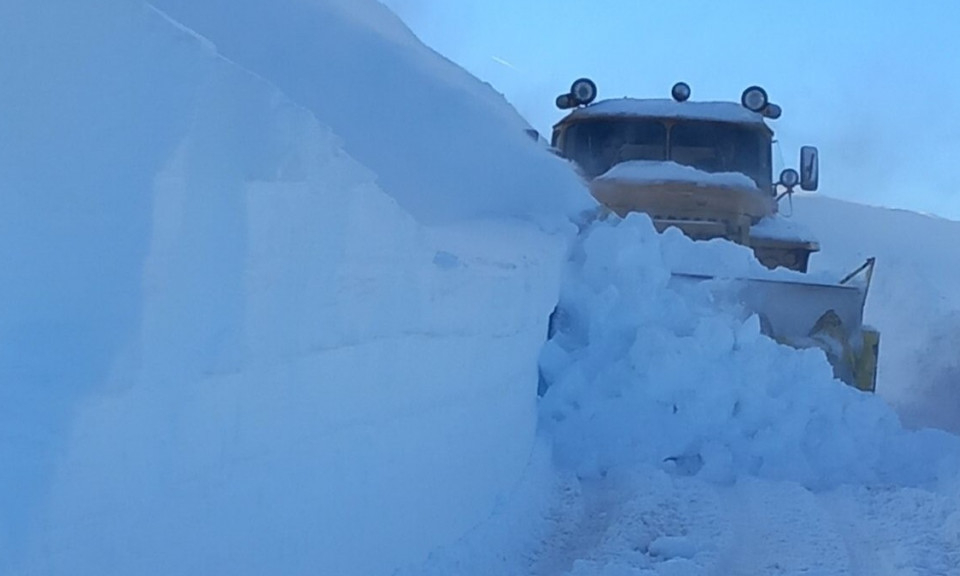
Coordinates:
(772, 111)
(754, 98)
(789, 178)
(584, 91)
(680, 91)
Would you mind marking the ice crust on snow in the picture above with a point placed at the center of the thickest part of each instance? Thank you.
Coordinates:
(652, 171)
(664, 108)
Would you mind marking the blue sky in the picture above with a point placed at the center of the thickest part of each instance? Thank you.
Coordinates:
(874, 84)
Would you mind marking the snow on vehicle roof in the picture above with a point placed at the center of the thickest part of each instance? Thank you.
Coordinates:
(652, 171)
(664, 108)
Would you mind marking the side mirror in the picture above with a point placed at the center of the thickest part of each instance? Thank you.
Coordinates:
(809, 168)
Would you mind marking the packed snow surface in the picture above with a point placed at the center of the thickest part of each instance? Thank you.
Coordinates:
(653, 171)
(281, 278)
(663, 108)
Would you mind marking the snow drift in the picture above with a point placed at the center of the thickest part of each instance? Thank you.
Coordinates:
(234, 347)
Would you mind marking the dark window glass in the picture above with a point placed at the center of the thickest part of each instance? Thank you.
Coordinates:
(714, 147)
(597, 145)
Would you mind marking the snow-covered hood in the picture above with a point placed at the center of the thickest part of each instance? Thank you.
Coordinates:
(648, 172)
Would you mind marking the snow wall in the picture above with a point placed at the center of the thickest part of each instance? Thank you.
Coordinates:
(229, 343)
(913, 300)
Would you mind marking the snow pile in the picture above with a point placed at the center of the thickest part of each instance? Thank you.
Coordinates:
(724, 260)
(642, 374)
(234, 348)
(653, 172)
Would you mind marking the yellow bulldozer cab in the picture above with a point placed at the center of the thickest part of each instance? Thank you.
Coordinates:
(706, 168)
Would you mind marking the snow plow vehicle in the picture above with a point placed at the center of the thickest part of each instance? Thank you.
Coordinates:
(707, 169)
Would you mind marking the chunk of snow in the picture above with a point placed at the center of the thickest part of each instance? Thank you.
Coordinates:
(668, 547)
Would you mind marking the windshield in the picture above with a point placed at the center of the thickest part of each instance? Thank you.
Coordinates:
(714, 147)
(596, 146)
(599, 144)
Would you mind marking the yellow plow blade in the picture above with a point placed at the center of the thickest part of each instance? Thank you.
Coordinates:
(806, 314)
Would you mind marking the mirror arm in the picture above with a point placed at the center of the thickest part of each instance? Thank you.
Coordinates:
(789, 194)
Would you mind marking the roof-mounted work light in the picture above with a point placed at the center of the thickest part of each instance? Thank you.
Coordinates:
(680, 92)
(754, 99)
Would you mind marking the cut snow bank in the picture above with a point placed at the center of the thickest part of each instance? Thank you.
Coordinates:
(437, 138)
(231, 349)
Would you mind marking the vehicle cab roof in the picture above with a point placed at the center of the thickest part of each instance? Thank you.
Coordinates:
(728, 112)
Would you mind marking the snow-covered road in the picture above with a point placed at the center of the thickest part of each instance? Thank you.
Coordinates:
(648, 522)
